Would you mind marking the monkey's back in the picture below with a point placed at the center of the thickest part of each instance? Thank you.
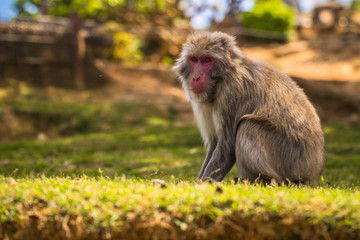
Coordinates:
(284, 124)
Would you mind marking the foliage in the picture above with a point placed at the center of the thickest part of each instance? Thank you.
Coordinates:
(127, 48)
(272, 19)
(14, 89)
(125, 11)
(65, 8)
(355, 5)
(167, 61)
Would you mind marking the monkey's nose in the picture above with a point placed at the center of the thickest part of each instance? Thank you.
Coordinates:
(196, 78)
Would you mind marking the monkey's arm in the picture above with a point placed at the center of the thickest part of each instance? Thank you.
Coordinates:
(220, 156)
(209, 154)
(220, 162)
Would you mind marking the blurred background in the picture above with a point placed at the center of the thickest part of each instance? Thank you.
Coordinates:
(72, 67)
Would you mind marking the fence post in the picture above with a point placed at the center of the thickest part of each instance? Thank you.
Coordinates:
(79, 52)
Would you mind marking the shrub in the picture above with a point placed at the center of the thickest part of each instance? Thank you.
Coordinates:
(127, 48)
(272, 19)
(355, 5)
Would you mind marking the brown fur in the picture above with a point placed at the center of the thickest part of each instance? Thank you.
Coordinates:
(252, 115)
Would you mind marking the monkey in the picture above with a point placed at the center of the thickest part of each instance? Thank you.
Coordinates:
(249, 114)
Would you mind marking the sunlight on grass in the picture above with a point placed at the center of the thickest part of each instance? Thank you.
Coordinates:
(155, 121)
(138, 139)
(328, 129)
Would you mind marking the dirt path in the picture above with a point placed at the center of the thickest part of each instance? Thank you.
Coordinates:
(144, 83)
(324, 58)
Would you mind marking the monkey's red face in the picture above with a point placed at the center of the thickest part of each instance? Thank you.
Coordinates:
(200, 67)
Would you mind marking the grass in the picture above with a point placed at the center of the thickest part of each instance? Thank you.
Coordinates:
(342, 154)
(93, 208)
(92, 178)
(139, 140)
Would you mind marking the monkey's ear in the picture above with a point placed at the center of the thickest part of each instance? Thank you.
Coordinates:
(216, 73)
(224, 43)
(184, 71)
(235, 53)
(181, 68)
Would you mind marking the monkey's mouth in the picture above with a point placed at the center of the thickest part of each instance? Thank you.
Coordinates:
(198, 89)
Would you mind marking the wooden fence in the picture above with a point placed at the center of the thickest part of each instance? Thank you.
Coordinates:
(47, 52)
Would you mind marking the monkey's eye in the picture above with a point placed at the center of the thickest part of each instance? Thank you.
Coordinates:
(207, 60)
(194, 59)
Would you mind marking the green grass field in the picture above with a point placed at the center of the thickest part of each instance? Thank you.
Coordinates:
(92, 179)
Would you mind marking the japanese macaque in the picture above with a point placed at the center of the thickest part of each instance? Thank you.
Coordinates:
(249, 114)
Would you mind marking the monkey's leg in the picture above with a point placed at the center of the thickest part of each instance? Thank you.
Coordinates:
(221, 161)
(209, 154)
(252, 152)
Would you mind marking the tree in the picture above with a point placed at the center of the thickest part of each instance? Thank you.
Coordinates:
(125, 11)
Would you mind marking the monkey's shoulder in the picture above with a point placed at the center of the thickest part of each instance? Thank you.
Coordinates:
(272, 82)
(270, 73)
